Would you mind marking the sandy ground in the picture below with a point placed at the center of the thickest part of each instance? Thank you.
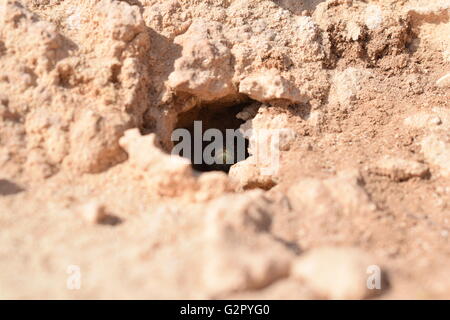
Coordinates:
(92, 206)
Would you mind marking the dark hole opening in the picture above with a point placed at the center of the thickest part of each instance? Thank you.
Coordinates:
(220, 118)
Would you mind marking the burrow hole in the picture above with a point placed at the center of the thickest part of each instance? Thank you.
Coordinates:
(214, 117)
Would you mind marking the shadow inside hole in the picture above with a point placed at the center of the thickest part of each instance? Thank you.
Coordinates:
(9, 188)
(220, 118)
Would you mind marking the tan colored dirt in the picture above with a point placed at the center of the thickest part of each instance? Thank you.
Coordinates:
(90, 92)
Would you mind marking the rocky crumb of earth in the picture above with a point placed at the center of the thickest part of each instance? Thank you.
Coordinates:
(400, 169)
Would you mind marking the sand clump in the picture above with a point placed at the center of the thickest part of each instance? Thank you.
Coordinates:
(400, 169)
(350, 96)
(345, 267)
